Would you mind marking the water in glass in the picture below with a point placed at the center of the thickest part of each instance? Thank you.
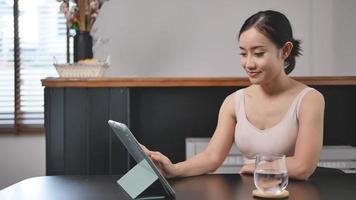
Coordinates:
(271, 175)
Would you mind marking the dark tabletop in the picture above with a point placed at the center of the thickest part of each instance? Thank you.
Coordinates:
(220, 187)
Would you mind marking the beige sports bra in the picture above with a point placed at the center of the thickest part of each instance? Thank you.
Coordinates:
(279, 139)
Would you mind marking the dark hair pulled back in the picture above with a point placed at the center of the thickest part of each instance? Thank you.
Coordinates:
(275, 26)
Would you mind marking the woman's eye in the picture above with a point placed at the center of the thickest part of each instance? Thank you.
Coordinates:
(259, 54)
(243, 54)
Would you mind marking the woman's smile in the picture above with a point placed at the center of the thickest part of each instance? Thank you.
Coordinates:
(253, 74)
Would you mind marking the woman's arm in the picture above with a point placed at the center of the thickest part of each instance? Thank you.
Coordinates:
(212, 157)
(310, 137)
(309, 140)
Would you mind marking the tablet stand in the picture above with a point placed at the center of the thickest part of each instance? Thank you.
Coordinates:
(138, 179)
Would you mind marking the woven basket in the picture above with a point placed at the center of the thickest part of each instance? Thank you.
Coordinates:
(81, 70)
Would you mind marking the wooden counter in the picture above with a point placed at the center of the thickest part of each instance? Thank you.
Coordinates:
(184, 82)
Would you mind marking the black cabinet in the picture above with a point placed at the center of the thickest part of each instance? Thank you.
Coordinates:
(79, 140)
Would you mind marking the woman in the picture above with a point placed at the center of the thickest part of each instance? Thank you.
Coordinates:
(275, 115)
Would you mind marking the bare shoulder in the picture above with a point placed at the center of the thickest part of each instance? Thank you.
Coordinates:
(231, 98)
(314, 97)
(313, 102)
(228, 106)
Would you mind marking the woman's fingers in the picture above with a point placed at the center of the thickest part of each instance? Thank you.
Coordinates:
(159, 165)
(163, 158)
(147, 152)
(160, 158)
(143, 147)
(247, 169)
(161, 161)
(156, 157)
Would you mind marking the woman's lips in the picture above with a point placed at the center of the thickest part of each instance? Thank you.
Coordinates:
(252, 74)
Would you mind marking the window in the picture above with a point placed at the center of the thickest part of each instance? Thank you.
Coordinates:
(42, 35)
(6, 65)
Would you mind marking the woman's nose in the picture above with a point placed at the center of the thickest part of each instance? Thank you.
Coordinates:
(249, 63)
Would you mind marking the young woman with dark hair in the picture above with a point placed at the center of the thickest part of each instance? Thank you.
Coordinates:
(274, 115)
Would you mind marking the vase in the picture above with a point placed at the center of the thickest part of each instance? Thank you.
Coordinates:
(83, 46)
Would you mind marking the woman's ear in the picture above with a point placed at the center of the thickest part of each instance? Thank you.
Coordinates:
(287, 49)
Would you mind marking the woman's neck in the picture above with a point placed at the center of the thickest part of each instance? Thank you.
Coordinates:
(277, 85)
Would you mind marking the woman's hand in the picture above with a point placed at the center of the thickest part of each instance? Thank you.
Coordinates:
(163, 163)
(247, 169)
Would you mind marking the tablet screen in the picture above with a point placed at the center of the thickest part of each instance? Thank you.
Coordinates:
(133, 147)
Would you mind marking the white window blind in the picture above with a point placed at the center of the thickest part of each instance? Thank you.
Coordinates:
(42, 36)
(6, 65)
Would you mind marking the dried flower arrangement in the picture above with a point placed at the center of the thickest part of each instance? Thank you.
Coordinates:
(82, 15)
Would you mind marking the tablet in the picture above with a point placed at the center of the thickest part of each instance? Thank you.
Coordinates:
(133, 147)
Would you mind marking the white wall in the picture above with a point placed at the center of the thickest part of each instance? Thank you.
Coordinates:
(344, 39)
(197, 37)
(21, 157)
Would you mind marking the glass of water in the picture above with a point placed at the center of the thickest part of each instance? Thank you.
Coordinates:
(271, 174)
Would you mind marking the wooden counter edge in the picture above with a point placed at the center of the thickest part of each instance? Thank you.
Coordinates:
(184, 82)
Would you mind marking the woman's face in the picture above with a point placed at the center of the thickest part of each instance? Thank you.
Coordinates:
(259, 57)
